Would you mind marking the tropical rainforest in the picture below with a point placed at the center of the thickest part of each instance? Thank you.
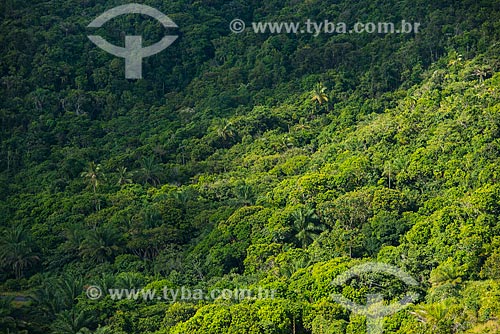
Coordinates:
(249, 161)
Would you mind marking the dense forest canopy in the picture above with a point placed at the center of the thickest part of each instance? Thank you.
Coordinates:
(252, 161)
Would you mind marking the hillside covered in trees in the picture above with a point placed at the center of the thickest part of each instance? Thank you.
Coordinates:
(249, 161)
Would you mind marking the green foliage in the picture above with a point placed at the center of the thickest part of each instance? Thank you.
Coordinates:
(17, 251)
(265, 160)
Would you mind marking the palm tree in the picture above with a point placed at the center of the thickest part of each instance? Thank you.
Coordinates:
(93, 175)
(69, 287)
(224, 129)
(294, 265)
(304, 226)
(151, 217)
(388, 171)
(106, 281)
(481, 73)
(74, 237)
(46, 300)
(150, 171)
(7, 321)
(391, 169)
(456, 60)
(244, 194)
(100, 245)
(16, 250)
(129, 280)
(181, 199)
(447, 273)
(286, 142)
(72, 322)
(103, 330)
(124, 177)
(319, 94)
(432, 314)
